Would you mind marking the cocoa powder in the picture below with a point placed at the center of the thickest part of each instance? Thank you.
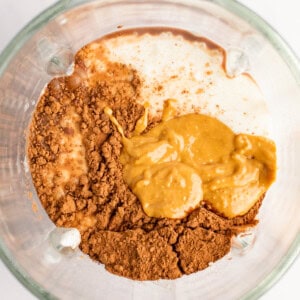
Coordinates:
(74, 150)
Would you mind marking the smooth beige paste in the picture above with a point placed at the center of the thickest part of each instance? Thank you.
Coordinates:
(186, 159)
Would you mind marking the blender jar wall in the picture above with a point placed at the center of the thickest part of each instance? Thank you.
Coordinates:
(24, 225)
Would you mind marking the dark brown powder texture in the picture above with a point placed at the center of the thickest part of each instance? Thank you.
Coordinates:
(74, 150)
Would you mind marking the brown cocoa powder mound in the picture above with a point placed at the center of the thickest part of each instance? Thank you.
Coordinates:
(208, 245)
(88, 192)
(135, 254)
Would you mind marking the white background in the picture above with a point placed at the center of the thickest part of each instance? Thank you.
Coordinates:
(282, 15)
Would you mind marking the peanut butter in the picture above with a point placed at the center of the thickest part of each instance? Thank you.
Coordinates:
(186, 159)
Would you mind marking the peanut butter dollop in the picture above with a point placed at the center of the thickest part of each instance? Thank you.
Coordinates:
(195, 157)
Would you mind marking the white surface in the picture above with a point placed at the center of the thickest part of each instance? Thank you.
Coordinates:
(282, 15)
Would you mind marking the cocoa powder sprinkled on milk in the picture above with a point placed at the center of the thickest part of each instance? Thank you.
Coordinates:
(74, 151)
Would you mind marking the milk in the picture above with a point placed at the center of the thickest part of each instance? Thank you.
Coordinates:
(175, 64)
